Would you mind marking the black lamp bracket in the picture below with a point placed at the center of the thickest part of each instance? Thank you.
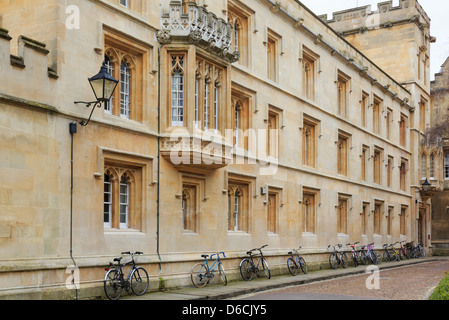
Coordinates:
(97, 104)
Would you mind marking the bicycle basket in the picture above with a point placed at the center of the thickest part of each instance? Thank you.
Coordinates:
(370, 247)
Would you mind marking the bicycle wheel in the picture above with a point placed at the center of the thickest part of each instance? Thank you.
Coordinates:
(199, 275)
(112, 286)
(246, 270)
(222, 273)
(266, 268)
(423, 253)
(379, 257)
(139, 281)
(395, 256)
(363, 258)
(344, 260)
(387, 256)
(303, 265)
(333, 261)
(355, 260)
(373, 257)
(401, 255)
(292, 267)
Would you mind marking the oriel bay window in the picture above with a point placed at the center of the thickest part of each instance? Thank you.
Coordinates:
(209, 96)
(177, 90)
(202, 104)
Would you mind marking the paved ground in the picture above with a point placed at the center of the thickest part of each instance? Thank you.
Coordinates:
(413, 282)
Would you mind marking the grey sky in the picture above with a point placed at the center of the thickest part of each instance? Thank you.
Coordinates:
(437, 10)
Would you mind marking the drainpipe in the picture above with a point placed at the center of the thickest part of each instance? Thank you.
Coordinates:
(159, 154)
(73, 130)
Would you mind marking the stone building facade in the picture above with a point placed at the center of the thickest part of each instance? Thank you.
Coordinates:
(235, 124)
(440, 201)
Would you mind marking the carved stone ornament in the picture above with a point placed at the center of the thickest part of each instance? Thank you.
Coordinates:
(195, 36)
(163, 37)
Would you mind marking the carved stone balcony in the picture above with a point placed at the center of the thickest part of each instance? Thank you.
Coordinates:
(193, 154)
(197, 26)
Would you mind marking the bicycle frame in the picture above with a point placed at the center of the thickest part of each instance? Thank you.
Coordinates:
(295, 253)
(211, 270)
(254, 268)
(336, 252)
(252, 256)
(119, 267)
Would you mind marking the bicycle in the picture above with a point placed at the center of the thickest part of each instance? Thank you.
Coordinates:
(397, 254)
(419, 251)
(389, 255)
(369, 255)
(248, 269)
(354, 254)
(402, 251)
(114, 282)
(410, 250)
(335, 260)
(202, 273)
(295, 262)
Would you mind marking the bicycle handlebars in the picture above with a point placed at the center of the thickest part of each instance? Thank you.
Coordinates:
(135, 253)
(217, 254)
(259, 249)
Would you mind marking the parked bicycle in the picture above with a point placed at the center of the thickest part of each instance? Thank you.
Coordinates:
(396, 252)
(296, 262)
(335, 259)
(403, 251)
(369, 255)
(420, 252)
(248, 268)
(136, 281)
(389, 254)
(354, 253)
(411, 250)
(202, 273)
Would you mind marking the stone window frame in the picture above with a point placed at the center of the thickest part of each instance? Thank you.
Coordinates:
(310, 202)
(343, 83)
(192, 195)
(310, 130)
(377, 165)
(343, 146)
(209, 111)
(403, 173)
(241, 18)
(403, 220)
(343, 209)
(377, 111)
(273, 43)
(133, 175)
(122, 50)
(243, 186)
(309, 67)
(377, 216)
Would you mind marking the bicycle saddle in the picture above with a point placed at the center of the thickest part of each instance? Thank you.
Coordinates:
(118, 259)
(205, 256)
(290, 252)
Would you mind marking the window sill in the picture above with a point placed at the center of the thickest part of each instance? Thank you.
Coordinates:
(189, 233)
(122, 231)
(238, 233)
(309, 234)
